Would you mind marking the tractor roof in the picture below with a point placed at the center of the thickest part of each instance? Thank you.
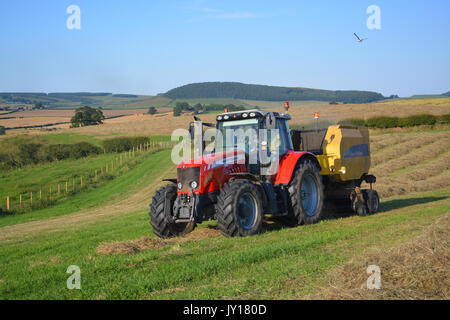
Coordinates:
(253, 113)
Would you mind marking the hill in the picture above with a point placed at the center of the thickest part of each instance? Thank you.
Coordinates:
(73, 100)
(238, 90)
(427, 96)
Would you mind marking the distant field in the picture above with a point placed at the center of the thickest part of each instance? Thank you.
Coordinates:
(137, 121)
(31, 121)
(165, 123)
(437, 101)
(45, 117)
(400, 108)
(73, 101)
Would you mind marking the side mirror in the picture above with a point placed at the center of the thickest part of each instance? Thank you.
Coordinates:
(270, 121)
(191, 130)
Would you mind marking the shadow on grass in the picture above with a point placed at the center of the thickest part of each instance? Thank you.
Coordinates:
(332, 212)
(402, 203)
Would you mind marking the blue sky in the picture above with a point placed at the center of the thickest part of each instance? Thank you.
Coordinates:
(148, 47)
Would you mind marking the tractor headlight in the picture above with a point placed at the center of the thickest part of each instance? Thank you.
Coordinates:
(244, 115)
(252, 114)
(194, 184)
(219, 118)
(180, 185)
(226, 117)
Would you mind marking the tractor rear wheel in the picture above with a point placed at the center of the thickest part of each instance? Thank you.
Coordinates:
(305, 195)
(239, 209)
(161, 226)
(372, 200)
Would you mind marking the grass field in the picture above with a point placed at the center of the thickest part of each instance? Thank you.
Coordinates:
(42, 177)
(105, 231)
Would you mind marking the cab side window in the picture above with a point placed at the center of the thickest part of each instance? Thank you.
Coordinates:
(285, 141)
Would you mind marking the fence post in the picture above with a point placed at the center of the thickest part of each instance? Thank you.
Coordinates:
(40, 194)
(81, 182)
(67, 187)
(95, 174)
(50, 193)
(120, 159)
(20, 200)
(8, 203)
(59, 189)
(106, 168)
(73, 184)
(31, 198)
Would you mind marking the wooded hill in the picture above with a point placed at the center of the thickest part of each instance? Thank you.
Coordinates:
(238, 90)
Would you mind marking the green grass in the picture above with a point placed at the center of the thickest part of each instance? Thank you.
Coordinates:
(280, 263)
(126, 183)
(36, 177)
(71, 138)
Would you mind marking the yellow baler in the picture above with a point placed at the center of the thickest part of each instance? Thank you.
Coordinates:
(343, 153)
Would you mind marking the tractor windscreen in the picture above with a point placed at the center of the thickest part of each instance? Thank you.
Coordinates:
(237, 135)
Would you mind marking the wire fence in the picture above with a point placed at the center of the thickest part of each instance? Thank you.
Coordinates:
(55, 192)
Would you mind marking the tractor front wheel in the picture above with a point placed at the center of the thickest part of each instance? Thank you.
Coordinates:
(239, 209)
(161, 226)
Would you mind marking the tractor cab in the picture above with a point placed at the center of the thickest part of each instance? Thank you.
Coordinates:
(260, 135)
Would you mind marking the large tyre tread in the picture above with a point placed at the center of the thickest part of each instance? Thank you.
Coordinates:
(295, 212)
(157, 218)
(226, 221)
(161, 227)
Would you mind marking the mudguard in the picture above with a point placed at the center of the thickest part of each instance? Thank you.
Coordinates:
(287, 165)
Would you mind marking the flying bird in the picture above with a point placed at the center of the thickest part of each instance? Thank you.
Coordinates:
(359, 39)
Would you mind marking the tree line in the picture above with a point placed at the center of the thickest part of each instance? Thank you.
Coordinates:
(180, 107)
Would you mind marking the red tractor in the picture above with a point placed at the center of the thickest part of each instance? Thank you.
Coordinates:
(238, 191)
